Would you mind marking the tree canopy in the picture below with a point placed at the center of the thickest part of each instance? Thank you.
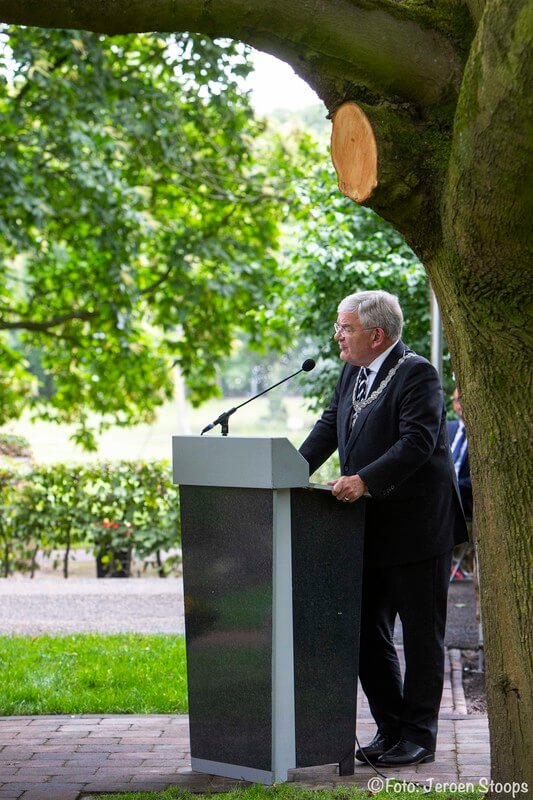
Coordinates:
(139, 212)
(336, 250)
(142, 209)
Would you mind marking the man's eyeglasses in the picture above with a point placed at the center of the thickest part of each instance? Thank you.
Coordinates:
(347, 330)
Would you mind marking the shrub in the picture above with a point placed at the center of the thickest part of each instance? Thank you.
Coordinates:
(134, 506)
(115, 508)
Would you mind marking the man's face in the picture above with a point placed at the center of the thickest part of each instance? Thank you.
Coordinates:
(357, 345)
(457, 404)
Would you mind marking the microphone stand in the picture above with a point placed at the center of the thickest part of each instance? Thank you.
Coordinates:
(223, 419)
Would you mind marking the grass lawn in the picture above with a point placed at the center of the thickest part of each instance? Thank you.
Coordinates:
(93, 674)
(257, 792)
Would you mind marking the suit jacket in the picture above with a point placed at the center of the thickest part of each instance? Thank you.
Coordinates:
(399, 447)
(465, 484)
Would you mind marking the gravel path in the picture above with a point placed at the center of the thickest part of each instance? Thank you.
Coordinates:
(150, 605)
(110, 605)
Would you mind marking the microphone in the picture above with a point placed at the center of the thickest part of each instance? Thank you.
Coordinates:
(223, 419)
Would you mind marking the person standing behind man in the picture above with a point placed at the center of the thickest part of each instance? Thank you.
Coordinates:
(459, 447)
(387, 420)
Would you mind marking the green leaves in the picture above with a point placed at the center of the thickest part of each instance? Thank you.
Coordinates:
(341, 248)
(111, 507)
(141, 212)
(138, 223)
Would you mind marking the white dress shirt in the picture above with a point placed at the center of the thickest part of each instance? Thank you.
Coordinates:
(374, 367)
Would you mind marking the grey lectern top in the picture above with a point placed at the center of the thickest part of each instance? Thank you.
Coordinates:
(247, 462)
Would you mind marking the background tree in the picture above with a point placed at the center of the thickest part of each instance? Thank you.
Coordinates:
(445, 89)
(328, 250)
(139, 208)
(334, 250)
(119, 209)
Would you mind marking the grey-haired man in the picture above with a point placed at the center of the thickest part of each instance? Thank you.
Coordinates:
(387, 420)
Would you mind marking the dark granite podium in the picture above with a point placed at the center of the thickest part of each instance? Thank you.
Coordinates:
(272, 583)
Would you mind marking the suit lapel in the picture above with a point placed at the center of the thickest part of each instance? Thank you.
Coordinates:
(347, 408)
(391, 360)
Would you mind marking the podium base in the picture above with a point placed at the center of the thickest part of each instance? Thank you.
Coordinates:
(235, 771)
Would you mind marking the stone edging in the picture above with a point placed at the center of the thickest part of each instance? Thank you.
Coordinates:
(456, 675)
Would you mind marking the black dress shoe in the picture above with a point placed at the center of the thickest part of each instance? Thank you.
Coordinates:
(379, 745)
(405, 754)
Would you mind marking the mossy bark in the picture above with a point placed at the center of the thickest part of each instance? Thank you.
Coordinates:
(415, 53)
(493, 372)
(482, 274)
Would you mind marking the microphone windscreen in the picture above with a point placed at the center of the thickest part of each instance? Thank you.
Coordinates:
(308, 365)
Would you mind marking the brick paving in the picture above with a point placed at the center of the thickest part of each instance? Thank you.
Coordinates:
(71, 757)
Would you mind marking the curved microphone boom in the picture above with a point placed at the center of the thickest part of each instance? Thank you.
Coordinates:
(223, 419)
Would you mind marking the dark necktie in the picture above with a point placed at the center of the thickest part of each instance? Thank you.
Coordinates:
(362, 378)
(360, 391)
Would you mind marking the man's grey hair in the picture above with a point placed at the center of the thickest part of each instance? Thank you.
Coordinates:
(376, 309)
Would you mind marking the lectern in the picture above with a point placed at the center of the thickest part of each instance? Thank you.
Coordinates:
(272, 584)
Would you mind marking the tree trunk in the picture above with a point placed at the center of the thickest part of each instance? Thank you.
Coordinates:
(67, 552)
(5, 565)
(496, 409)
(482, 278)
(160, 570)
(33, 562)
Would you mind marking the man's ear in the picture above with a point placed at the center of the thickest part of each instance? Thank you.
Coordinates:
(378, 337)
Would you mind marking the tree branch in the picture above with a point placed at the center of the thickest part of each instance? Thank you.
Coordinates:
(149, 290)
(28, 325)
(213, 231)
(399, 51)
(412, 157)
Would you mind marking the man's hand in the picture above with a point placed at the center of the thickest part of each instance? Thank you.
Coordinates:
(349, 488)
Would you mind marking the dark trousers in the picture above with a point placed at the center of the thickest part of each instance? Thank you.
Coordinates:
(408, 708)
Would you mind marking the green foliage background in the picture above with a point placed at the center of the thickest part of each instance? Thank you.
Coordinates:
(148, 220)
(139, 210)
(343, 249)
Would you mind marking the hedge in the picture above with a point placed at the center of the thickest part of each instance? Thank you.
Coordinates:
(116, 509)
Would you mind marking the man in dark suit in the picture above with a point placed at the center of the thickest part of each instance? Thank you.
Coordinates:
(387, 419)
